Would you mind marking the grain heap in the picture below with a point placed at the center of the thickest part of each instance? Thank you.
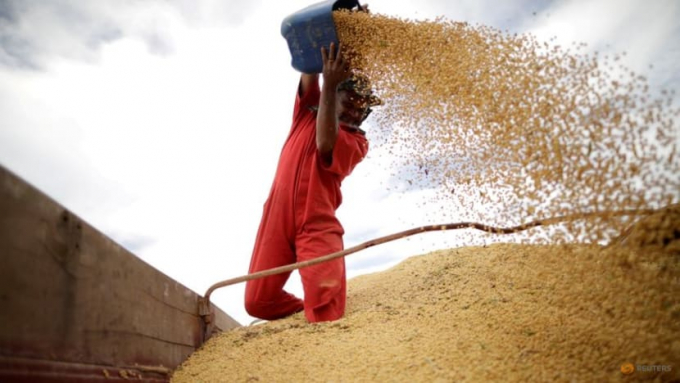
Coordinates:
(506, 312)
(509, 130)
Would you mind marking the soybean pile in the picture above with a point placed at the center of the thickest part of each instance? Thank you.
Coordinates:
(504, 312)
(507, 129)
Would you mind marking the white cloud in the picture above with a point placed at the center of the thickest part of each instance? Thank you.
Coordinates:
(644, 30)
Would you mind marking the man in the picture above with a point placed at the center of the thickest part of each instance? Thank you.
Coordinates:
(324, 145)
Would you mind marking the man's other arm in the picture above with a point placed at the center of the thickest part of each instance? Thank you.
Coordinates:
(306, 81)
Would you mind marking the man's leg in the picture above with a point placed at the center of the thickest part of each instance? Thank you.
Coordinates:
(265, 297)
(324, 284)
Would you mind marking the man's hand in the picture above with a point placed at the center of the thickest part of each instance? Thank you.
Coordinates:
(363, 8)
(335, 67)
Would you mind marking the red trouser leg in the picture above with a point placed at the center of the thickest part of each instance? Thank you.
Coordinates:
(324, 284)
(265, 297)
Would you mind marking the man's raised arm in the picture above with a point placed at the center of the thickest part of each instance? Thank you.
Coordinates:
(335, 71)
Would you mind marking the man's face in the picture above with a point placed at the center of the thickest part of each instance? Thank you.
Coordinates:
(351, 108)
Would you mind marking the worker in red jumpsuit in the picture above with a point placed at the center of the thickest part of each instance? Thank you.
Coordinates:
(324, 145)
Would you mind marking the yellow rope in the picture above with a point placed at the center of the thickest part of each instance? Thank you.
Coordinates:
(418, 230)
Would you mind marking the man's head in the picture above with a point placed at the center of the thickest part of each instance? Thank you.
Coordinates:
(355, 99)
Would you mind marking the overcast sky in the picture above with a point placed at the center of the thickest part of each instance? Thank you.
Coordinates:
(160, 122)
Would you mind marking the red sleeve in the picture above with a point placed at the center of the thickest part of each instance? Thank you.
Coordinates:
(350, 149)
(308, 100)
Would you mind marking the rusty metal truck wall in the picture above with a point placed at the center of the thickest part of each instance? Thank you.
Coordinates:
(74, 305)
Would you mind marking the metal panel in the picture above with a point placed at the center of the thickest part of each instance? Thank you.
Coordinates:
(69, 294)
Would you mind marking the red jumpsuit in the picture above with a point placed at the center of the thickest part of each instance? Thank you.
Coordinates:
(299, 221)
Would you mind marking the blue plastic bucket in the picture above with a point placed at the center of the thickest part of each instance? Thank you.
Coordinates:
(308, 29)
